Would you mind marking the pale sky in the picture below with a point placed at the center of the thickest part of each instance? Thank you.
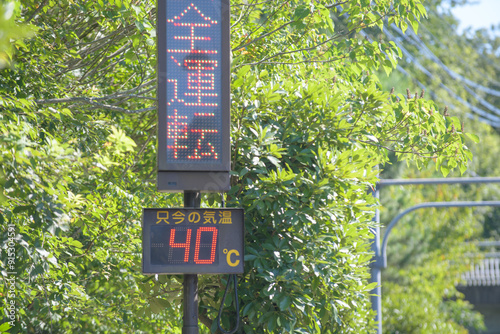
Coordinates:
(482, 14)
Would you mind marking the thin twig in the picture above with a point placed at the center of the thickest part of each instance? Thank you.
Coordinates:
(263, 36)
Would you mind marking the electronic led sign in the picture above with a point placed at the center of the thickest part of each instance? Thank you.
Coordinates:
(193, 94)
(192, 241)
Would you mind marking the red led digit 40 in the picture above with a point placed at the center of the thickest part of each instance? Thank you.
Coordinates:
(212, 248)
(198, 246)
(185, 245)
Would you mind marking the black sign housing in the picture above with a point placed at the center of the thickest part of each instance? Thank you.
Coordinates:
(193, 95)
(192, 241)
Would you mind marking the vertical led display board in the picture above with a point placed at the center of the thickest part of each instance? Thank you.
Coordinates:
(192, 241)
(193, 95)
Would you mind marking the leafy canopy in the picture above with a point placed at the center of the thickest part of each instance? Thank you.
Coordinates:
(310, 127)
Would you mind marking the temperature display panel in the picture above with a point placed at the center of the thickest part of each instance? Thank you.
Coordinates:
(193, 241)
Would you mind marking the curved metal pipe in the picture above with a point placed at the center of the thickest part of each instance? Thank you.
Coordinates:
(421, 206)
(449, 180)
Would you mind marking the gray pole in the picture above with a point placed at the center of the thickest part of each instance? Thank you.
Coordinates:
(383, 252)
(192, 199)
(380, 256)
(376, 274)
(451, 180)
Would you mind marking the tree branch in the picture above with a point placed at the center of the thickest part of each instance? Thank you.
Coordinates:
(37, 10)
(127, 93)
(261, 25)
(262, 36)
(93, 102)
(206, 321)
(265, 60)
(115, 108)
(336, 4)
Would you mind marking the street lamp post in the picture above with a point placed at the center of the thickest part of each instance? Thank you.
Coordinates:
(380, 251)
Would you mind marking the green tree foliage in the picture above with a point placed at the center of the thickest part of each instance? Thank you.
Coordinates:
(311, 125)
(428, 252)
(10, 30)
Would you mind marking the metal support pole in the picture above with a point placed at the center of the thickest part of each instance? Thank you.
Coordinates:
(376, 274)
(192, 199)
(450, 180)
(190, 318)
(395, 220)
(380, 254)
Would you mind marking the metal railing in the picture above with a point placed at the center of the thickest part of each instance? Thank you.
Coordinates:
(486, 273)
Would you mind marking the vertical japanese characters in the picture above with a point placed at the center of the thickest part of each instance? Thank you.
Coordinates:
(193, 82)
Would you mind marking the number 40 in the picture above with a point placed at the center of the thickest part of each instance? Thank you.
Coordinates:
(187, 245)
